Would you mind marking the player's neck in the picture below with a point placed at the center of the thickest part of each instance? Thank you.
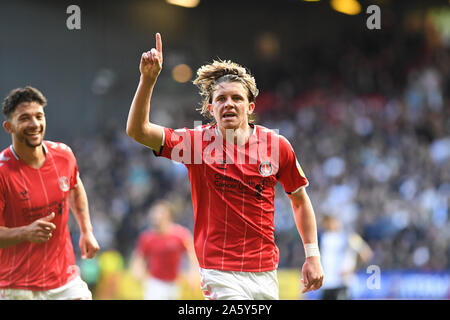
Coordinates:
(164, 228)
(33, 156)
(238, 136)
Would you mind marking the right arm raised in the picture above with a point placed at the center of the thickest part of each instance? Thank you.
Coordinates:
(139, 126)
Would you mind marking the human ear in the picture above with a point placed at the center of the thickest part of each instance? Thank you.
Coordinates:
(210, 109)
(7, 126)
(251, 108)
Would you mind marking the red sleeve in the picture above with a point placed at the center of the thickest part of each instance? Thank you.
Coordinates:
(290, 173)
(74, 170)
(2, 202)
(177, 145)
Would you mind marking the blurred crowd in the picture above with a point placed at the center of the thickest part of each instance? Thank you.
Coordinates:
(370, 127)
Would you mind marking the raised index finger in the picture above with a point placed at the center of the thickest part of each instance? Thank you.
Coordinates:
(158, 42)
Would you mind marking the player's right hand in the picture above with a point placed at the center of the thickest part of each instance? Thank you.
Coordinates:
(151, 61)
(40, 230)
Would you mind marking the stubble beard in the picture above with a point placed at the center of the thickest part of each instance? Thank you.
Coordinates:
(24, 139)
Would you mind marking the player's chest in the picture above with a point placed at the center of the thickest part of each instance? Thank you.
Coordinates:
(252, 160)
(33, 194)
(255, 180)
(164, 245)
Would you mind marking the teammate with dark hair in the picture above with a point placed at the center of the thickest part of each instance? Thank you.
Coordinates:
(39, 182)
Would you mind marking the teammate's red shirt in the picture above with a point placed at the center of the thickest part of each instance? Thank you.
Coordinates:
(163, 252)
(233, 191)
(27, 194)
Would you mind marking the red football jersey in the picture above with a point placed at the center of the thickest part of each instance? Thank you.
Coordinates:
(233, 191)
(28, 194)
(163, 252)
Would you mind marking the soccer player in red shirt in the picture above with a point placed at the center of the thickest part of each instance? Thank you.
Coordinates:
(39, 182)
(158, 254)
(233, 166)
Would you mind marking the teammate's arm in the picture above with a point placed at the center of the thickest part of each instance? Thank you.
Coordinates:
(189, 245)
(139, 126)
(305, 220)
(36, 232)
(78, 202)
(192, 275)
(138, 266)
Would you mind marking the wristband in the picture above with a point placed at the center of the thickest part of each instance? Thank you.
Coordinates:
(312, 250)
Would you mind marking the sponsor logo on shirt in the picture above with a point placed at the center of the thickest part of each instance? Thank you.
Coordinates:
(250, 186)
(33, 213)
(24, 195)
(260, 188)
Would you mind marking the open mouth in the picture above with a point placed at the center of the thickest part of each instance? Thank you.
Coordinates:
(228, 115)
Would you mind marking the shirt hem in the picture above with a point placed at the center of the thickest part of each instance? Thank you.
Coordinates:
(262, 269)
(299, 188)
(35, 288)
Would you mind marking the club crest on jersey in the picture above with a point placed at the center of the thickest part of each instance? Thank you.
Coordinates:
(265, 168)
(64, 184)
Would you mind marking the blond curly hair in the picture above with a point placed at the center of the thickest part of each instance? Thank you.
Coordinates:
(210, 75)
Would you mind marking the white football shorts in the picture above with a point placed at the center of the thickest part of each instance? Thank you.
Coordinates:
(75, 289)
(156, 289)
(235, 285)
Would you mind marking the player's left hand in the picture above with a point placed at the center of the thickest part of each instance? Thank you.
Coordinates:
(312, 274)
(151, 61)
(88, 245)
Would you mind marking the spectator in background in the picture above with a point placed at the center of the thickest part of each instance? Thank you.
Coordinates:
(340, 252)
(158, 255)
